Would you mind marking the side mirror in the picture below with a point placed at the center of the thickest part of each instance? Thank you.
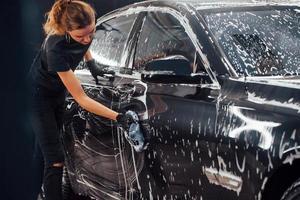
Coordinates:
(172, 69)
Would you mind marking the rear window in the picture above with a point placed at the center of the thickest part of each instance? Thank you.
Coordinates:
(261, 42)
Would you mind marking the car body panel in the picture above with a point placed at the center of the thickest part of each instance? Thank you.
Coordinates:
(218, 140)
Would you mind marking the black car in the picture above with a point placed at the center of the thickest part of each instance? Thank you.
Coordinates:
(218, 86)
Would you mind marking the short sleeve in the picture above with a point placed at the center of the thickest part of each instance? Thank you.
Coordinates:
(57, 61)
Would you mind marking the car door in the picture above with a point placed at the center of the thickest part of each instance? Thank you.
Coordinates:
(181, 115)
(98, 160)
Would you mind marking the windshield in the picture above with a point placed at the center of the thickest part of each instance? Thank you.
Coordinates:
(259, 42)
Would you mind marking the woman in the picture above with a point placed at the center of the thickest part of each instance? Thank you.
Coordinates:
(69, 28)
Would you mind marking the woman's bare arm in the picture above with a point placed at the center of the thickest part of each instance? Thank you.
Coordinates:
(73, 86)
(88, 56)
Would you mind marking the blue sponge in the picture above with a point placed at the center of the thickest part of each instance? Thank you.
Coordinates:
(135, 136)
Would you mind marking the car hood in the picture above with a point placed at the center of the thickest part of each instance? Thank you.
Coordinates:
(275, 93)
(290, 82)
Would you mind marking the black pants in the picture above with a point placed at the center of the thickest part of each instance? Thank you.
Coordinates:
(46, 116)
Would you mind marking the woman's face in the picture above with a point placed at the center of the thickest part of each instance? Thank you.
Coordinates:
(85, 35)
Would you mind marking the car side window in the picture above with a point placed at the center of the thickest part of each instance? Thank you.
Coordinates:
(162, 36)
(110, 40)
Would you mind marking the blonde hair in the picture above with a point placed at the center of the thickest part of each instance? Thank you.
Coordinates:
(68, 15)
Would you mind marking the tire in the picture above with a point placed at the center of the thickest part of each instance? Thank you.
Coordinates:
(67, 191)
(293, 192)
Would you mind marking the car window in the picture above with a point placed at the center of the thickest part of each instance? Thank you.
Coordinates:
(110, 40)
(162, 36)
(260, 42)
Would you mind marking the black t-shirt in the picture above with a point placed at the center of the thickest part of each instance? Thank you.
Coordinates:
(57, 54)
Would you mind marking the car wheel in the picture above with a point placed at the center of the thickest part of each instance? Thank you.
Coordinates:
(293, 192)
(67, 191)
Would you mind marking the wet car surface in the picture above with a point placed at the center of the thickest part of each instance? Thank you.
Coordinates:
(219, 88)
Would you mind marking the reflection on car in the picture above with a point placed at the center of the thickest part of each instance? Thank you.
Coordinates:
(217, 84)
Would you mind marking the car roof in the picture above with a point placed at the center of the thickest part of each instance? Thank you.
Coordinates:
(211, 4)
(227, 3)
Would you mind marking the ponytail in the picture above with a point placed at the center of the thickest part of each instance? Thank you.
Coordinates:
(68, 15)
